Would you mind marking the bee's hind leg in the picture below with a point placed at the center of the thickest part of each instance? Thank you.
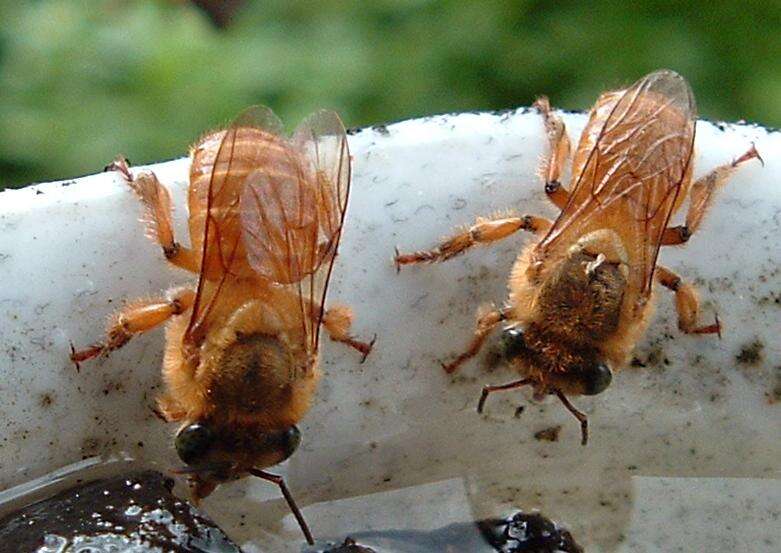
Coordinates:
(701, 197)
(157, 214)
(137, 318)
(686, 303)
(337, 321)
(483, 231)
(552, 165)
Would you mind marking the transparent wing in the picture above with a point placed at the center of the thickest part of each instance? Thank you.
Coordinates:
(247, 144)
(633, 173)
(293, 211)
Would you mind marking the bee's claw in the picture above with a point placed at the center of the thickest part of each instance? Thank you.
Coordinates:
(449, 368)
(73, 358)
(157, 413)
(396, 259)
(368, 350)
(542, 105)
(752, 153)
(120, 164)
(756, 153)
(718, 326)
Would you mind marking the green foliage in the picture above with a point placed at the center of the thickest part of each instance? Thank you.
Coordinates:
(83, 81)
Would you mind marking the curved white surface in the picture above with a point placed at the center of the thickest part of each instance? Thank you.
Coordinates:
(395, 443)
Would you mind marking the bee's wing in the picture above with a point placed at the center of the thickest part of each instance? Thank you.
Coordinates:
(632, 175)
(292, 217)
(240, 152)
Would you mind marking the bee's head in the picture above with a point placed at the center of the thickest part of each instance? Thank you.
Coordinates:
(574, 373)
(215, 455)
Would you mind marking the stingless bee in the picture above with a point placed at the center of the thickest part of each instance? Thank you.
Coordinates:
(265, 217)
(581, 296)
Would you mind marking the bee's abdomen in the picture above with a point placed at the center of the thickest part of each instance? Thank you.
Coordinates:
(252, 150)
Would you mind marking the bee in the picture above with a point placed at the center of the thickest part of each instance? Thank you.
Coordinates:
(581, 296)
(241, 357)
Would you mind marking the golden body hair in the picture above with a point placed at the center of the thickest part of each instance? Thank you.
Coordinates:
(240, 365)
(581, 296)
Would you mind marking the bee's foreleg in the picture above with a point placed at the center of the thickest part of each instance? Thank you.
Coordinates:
(137, 318)
(701, 197)
(552, 165)
(486, 322)
(157, 214)
(686, 303)
(337, 321)
(482, 232)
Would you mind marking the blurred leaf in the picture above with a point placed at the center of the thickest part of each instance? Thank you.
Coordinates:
(83, 81)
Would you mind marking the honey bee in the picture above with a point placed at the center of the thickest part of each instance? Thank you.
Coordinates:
(265, 217)
(582, 295)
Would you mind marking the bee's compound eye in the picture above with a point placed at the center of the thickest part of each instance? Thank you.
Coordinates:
(596, 379)
(193, 442)
(291, 439)
(513, 342)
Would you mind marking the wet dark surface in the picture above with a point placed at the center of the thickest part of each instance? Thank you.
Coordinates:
(135, 512)
(517, 533)
(528, 533)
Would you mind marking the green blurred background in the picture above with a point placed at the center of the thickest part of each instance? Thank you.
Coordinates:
(83, 81)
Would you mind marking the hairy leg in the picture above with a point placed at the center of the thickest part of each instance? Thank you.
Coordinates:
(485, 324)
(686, 303)
(558, 155)
(701, 197)
(337, 321)
(484, 231)
(157, 214)
(137, 318)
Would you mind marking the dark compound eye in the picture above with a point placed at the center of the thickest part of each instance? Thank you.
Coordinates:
(280, 445)
(513, 343)
(193, 442)
(596, 378)
(290, 441)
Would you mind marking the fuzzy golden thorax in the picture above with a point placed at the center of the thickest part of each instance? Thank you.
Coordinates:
(576, 309)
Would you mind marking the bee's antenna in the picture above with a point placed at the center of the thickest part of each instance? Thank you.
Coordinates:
(578, 415)
(279, 481)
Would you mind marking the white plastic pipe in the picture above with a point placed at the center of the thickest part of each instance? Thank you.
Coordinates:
(396, 443)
